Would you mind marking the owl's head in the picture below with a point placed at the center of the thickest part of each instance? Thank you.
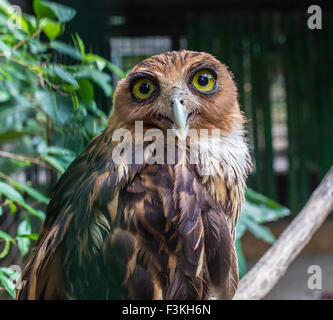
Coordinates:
(179, 90)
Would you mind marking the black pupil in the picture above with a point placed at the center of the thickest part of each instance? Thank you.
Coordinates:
(144, 88)
(203, 80)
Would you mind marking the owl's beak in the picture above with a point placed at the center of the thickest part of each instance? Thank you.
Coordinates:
(180, 117)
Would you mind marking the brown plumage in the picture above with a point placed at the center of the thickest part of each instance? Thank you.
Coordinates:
(150, 230)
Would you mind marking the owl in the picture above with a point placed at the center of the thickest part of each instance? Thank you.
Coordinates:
(142, 225)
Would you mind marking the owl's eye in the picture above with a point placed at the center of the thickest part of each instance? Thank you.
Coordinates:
(143, 88)
(204, 81)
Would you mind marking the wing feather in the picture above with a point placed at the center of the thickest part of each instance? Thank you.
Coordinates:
(90, 184)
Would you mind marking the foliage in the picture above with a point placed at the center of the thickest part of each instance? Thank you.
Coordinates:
(257, 210)
(47, 110)
(48, 114)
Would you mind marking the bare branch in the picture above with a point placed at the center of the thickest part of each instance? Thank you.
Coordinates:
(272, 266)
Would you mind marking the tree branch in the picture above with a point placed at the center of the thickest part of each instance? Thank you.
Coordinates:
(272, 266)
(20, 44)
(25, 158)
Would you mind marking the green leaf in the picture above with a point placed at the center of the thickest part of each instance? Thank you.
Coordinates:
(64, 75)
(240, 227)
(66, 49)
(36, 46)
(64, 157)
(57, 107)
(48, 103)
(94, 58)
(260, 199)
(97, 112)
(5, 49)
(8, 284)
(59, 151)
(12, 206)
(100, 78)
(4, 96)
(42, 11)
(13, 118)
(24, 228)
(86, 90)
(50, 27)
(32, 236)
(1, 211)
(10, 192)
(31, 22)
(116, 70)
(80, 44)
(5, 250)
(32, 192)
(10, 273)
(53, 10)
(37, 213)
(261, 213)
(13, 135)
(53, 162)
(62, 12)
(242, 268)
(259, 231)
(5, 235)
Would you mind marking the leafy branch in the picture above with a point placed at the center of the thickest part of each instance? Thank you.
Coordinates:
(25, 159)
(48, 113)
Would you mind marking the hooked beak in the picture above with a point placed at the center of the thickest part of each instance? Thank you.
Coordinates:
(180, 118)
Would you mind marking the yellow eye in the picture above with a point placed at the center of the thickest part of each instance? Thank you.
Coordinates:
(204, 81)
(143, 88)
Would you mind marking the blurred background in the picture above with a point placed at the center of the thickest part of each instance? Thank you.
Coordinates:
(283, 71)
